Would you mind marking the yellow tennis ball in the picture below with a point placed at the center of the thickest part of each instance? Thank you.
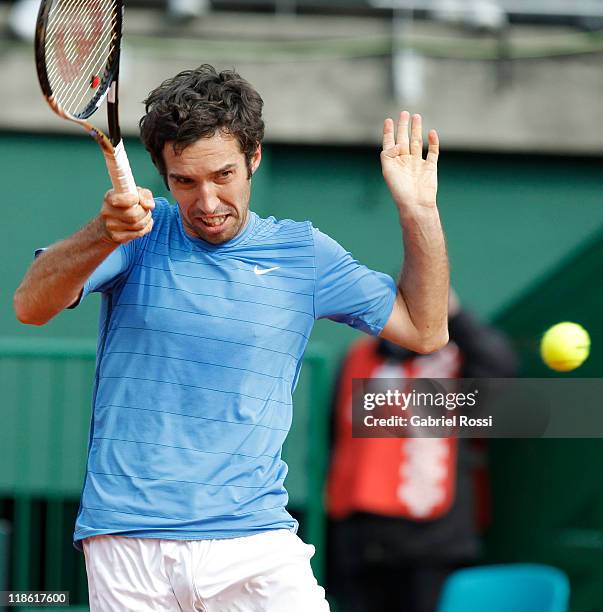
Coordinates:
(565, 346)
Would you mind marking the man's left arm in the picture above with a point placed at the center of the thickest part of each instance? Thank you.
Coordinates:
(420, 313)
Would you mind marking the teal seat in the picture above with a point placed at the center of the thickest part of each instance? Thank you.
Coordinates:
(506, 588)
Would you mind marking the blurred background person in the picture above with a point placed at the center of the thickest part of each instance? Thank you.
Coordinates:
(404, 513)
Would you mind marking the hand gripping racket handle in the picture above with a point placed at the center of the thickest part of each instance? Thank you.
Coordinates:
(119, 170)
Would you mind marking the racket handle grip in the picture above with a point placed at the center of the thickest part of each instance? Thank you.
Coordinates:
(119, 170)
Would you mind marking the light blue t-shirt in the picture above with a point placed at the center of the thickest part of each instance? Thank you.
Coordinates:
(199, 352)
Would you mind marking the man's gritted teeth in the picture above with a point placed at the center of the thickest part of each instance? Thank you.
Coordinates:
(214, 221)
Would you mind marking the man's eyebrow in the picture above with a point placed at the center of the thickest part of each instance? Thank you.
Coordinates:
(224, 168)
(229, 166)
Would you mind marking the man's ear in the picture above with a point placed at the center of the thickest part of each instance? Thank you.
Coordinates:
(256, 159)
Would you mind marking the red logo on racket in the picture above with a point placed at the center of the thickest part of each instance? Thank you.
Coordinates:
(73, 46)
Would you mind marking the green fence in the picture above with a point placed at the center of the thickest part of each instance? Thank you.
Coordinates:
(46, 407)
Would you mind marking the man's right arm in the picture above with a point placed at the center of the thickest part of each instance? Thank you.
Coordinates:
(55, 280)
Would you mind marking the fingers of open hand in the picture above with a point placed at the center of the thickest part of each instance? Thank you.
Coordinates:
(397, 142)
(388, 134)
(402, 133)
(433, 150)
(416, 136)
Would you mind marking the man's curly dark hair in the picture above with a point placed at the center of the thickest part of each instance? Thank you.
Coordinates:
(196, 104)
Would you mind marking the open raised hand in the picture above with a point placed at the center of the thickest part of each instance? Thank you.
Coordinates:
(412, 180)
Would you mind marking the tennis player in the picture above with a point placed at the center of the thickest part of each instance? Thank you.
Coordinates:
(206, 312)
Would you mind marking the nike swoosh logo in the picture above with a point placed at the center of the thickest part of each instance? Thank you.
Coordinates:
(260, 271)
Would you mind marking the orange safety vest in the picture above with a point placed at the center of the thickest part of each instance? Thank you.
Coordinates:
(412, 478)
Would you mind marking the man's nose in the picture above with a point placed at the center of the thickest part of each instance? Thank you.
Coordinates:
(207, 199)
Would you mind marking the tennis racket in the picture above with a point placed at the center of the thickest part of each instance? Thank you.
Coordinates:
(77, 48)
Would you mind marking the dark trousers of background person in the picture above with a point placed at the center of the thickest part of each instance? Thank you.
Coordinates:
(383, 564)
(382, 588)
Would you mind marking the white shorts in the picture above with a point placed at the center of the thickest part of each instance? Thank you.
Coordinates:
(267, 572)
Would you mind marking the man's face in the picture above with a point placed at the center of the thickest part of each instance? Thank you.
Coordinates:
(209, 180)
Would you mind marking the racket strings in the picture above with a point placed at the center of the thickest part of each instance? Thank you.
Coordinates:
(66, 22)
(73, 78)
(94, 68)
(60, 12)
(71, 91)
(81, 37)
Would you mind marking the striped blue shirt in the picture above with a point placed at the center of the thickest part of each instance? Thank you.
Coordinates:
(199, 352)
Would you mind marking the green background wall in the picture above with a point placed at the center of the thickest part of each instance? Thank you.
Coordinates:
(526, 247)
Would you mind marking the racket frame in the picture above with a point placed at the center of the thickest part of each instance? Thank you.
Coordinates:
(112, 145)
